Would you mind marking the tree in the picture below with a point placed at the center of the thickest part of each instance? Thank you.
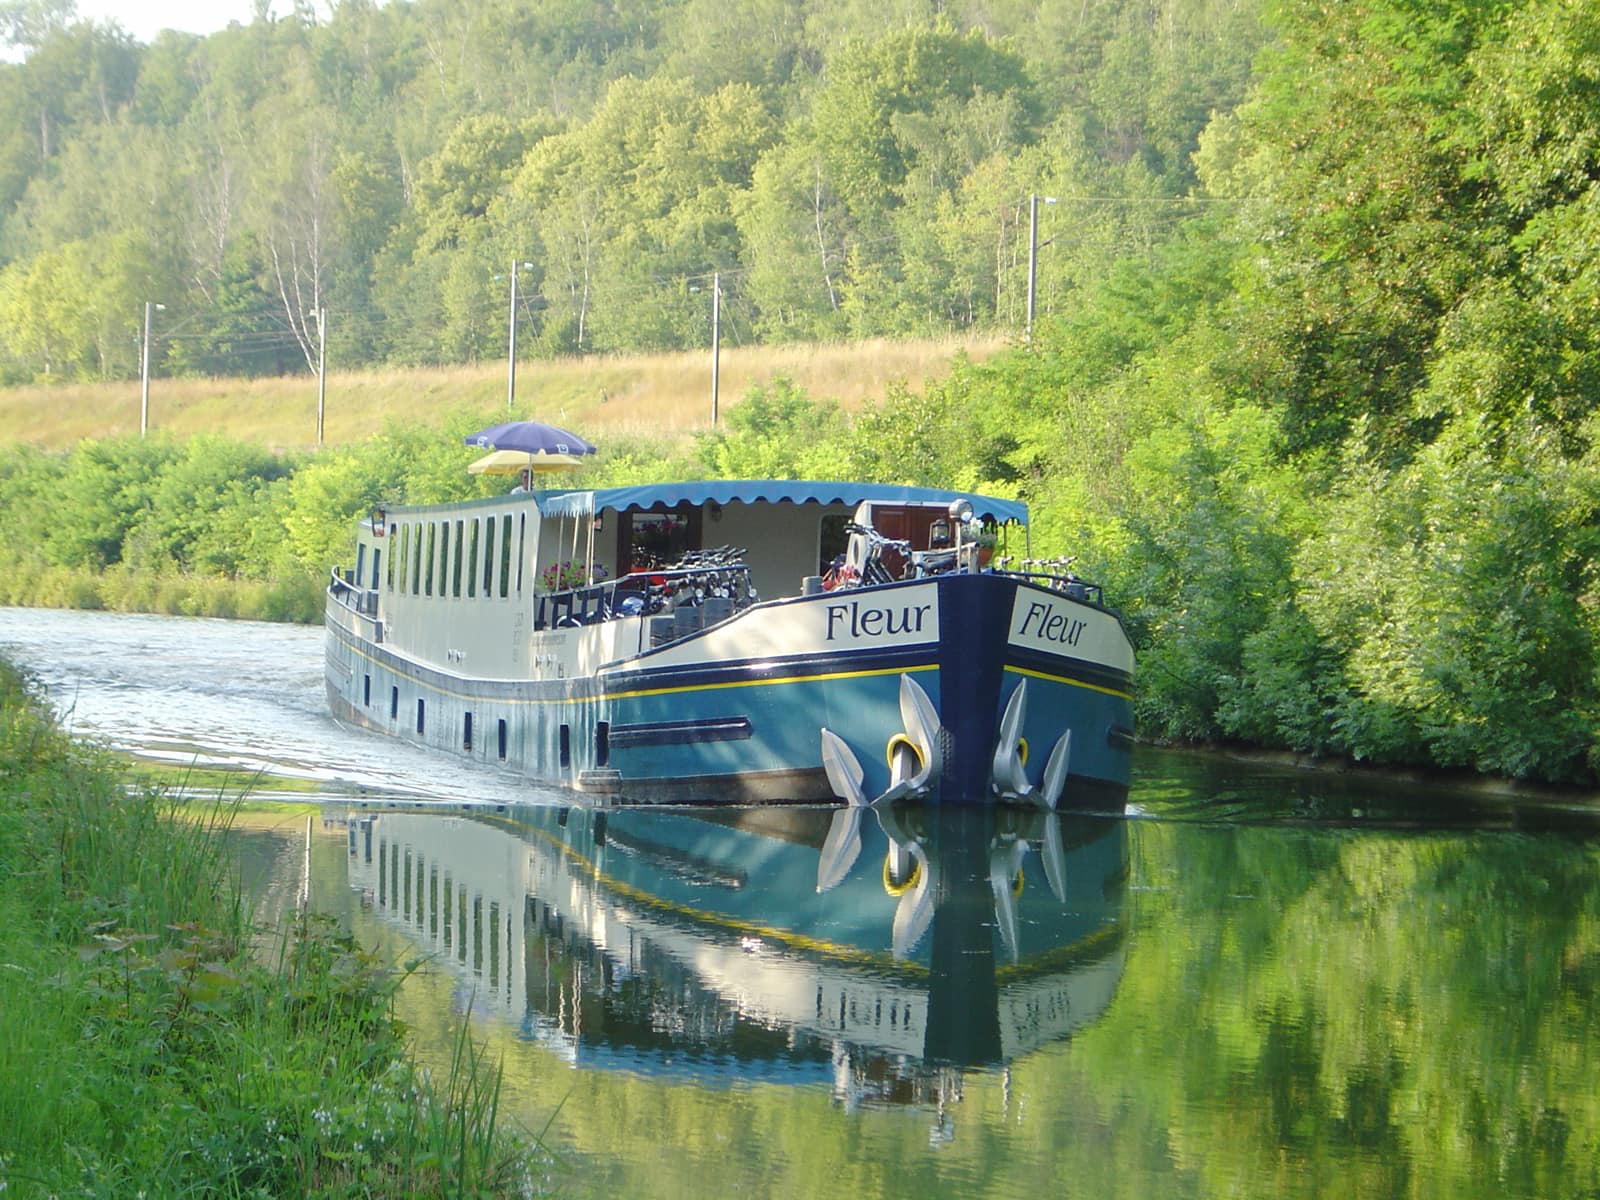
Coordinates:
(1453, 587)
(774, 432)
(859, 117)
(633, 211)
(1360, 136)
(297, 220)
(794, 231)
(27, 23)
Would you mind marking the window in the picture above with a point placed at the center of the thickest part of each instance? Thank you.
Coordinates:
(502, 739)
(488, 558)
(394, 704)
(832, 541)
(421, 714)
(505, 555)
(656, 539)
(566, 744)
(522, 547)
(466, 732)
(494, 943)
(455, 574)
(477, 935)
(366, 691)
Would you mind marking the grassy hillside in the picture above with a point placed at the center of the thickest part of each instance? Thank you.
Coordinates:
(593, 396)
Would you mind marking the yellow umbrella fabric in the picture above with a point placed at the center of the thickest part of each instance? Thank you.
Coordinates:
(509, 462)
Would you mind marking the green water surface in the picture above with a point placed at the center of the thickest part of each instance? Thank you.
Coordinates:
(1317, 988)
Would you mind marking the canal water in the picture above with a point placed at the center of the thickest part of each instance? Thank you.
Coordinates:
(1255, 982)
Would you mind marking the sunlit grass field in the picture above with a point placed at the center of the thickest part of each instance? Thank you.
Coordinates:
(616, 394)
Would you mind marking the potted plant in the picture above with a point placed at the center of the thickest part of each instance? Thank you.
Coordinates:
(570, 575)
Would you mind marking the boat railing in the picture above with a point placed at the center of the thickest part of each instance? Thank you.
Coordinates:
(891, 560)
(710, 592)
(343, 587)
(1055, 574)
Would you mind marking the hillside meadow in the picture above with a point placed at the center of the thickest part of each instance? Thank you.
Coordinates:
(627, 395)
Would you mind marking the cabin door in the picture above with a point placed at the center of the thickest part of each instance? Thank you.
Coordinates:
(910, 524)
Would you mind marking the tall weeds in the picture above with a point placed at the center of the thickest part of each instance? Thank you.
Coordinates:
(148, 1050)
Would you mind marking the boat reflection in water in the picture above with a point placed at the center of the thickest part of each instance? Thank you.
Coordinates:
(882, 950)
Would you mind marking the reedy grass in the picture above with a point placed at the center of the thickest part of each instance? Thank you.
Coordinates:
(32, 584)
(146, 1050)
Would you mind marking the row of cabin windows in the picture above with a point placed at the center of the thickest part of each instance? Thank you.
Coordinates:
(479, 557)
(442, 907)
(602, 729)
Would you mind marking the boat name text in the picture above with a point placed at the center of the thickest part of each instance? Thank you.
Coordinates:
(857, 621)
(1051, 626)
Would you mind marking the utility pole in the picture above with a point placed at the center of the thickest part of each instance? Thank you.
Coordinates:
(1033, 251)
(144, 369)
(511, 338)
(716, 337)
(322, 368)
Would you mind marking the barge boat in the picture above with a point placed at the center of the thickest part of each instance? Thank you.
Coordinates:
(764, 640)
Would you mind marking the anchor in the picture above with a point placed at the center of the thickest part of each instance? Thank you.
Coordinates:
(913, 911)
(843, 844)
(915, 756)
(1008, 776)
(1006, 855)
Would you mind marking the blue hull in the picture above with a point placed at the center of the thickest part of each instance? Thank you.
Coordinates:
(671, 724)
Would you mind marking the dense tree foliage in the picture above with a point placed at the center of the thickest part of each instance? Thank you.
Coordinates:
(846, 170)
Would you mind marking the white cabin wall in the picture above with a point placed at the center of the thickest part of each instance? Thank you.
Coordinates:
(782, 541)
(483, 634)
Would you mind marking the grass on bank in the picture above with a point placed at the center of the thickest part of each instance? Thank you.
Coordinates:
(34, 585)
(598, 395)
(147, 1051)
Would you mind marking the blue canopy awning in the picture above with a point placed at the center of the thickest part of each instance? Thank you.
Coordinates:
(769, 491)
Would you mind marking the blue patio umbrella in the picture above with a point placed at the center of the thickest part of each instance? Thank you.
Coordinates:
(529, 437)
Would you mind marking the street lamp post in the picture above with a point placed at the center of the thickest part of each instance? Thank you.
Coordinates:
(511, 338)
(322, 369)
(716, 338)
(144, 369)
(1033, 250)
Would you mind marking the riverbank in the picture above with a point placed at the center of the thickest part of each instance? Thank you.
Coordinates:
(148, 1050)
(295, 598)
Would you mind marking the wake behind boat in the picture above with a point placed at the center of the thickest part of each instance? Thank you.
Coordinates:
(618, 641)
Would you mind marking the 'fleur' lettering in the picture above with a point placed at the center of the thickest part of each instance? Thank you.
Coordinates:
(1046, 623)
(854, 621)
